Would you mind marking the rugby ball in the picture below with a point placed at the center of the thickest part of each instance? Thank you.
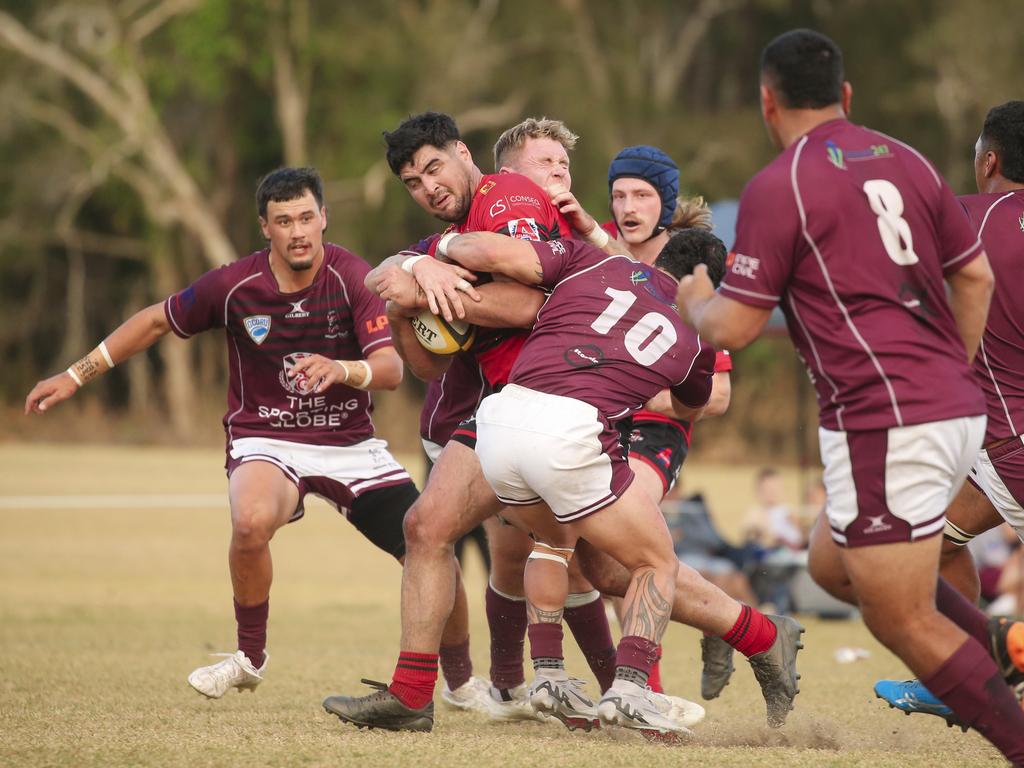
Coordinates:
(439, 336)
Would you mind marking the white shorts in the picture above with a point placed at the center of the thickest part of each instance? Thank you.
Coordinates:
(894, 484)
(432, 449)
(537, 447)
(999, 474)
(338, 474)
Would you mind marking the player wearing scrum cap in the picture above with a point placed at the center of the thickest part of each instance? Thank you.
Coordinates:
(306, 345)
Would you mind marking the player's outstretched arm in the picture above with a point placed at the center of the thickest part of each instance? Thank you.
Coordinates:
(684, 411)
(722, 322)
(491, 252)
(970, 293)
(721, 394)
(138, 332)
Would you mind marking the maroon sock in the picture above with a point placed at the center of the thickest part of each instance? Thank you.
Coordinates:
(507, 621)
(546, 646)
(589, 626)
(752, 633)
(456, 664)
(970, 684)
(961, 612)
(252, 630)
(415, 675)
(634, 658)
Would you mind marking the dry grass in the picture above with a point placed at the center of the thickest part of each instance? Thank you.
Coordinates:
(104, 612)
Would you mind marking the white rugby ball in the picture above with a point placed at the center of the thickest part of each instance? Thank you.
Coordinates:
(439, 336)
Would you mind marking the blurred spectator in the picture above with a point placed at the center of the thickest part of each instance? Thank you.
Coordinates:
(699, 545)
(771, 523)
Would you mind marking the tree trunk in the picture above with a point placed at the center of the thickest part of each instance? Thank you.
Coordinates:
(178, 381)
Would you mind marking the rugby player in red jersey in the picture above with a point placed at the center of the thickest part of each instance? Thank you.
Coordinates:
(306, 344)
(853, 233)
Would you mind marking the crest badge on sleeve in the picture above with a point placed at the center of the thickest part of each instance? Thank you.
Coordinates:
(258, 327)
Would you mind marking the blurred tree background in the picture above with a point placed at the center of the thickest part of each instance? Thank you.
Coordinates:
(133, 134)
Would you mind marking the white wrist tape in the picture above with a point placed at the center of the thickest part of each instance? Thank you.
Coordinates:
(345, 369)
(442, 244)
(368, 378)
(74, 377)
(106, 354)
(408, 263)
(597, 236)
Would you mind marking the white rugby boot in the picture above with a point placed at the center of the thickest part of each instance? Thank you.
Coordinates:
(687, 713)
(510, 704)
(554, 693)
(235, 671)
(628, 705)
(473, 695)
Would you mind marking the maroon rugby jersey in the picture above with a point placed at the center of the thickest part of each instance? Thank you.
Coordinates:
(851, 232)
(509, 204)
(452, 398)
(268, 331)
(609, 334)
(999, 364)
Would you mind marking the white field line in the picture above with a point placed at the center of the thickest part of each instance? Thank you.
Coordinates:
(116, 501)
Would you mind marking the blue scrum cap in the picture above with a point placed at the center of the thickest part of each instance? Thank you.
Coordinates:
(656, 168)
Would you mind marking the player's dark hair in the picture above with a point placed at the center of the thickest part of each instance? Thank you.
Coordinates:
(1003, 134)
(804, 68)
(286, 184)
(435, 129)
(690, 247)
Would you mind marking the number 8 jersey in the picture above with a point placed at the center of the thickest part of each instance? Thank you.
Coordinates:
(851, 233)
(609, 334)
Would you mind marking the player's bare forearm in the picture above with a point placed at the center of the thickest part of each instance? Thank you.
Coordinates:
(424, 365)
(970, 294)
(491, 252)
(382, 270)
(661, 404)
(721, 395)
(138, 332)
(505, 305)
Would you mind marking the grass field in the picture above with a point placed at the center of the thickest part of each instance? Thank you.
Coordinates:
(104, 612)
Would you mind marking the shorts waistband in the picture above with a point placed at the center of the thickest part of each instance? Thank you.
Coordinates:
(1013, 444)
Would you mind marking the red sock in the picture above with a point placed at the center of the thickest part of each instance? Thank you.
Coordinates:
(752, 633)
(589, 626)
(456, 664)
(969, 683)
(252, 630)
(507, 621)
(415, 675)
(654, 679)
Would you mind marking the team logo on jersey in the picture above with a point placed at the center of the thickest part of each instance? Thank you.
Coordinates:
(877, 524)
(258, 327)
(297, 309)
(487, 187)
(524, 229)
(584, 356)
(298, 384)
(835, 155)
(556, 247)
(1022, 223)
(334, 326)
(745, 266)
(638, 276)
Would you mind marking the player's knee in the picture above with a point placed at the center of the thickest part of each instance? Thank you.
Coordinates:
(421, 525)
(252, 528)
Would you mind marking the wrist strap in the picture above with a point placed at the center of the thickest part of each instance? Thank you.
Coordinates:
(74, 377)
(407, 265)
(442, 244)
(366, 379)
(106, 354)
(597, 237)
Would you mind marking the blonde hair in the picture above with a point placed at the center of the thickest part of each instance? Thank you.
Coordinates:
(691, 212)
(515, 137)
